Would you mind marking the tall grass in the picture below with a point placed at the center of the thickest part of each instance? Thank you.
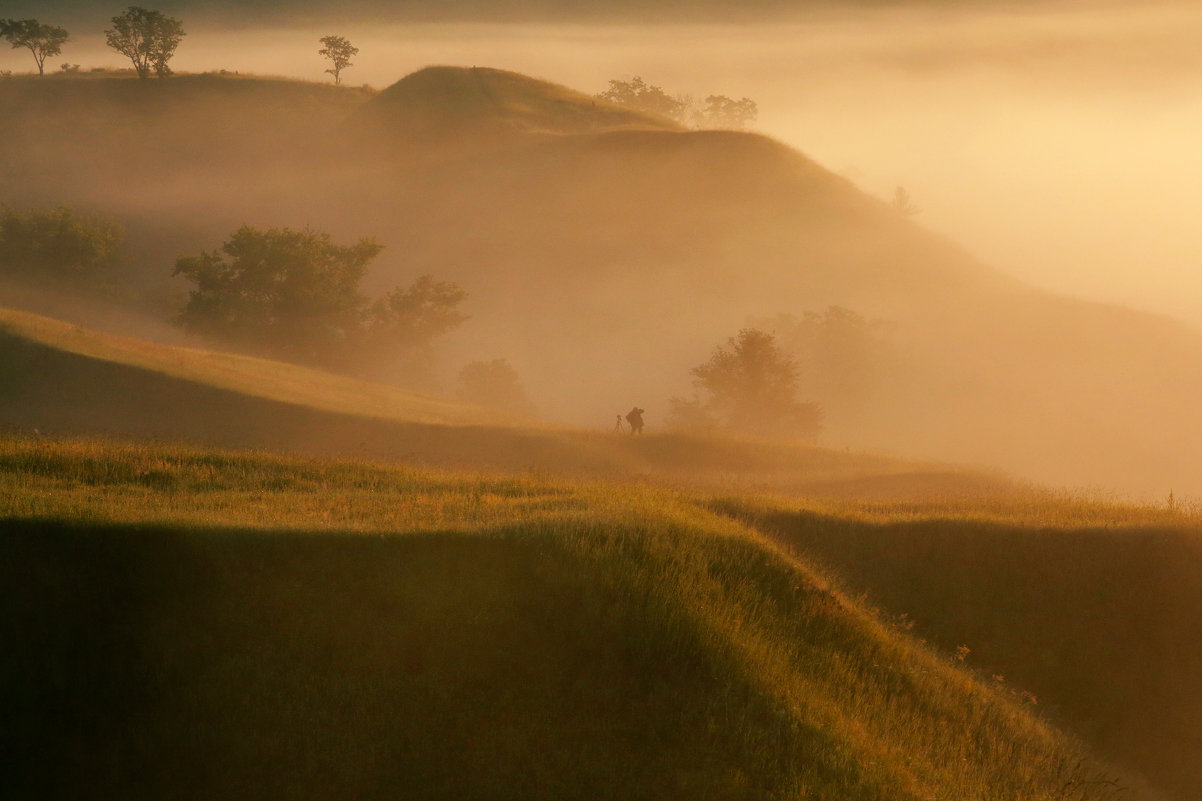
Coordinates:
(1093, 609)
(196, 623)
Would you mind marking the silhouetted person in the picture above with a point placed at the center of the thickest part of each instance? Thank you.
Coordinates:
(635, 418)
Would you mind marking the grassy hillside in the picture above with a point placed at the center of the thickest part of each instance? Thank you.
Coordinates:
(260, 378)
(200, 624)
(608, 259)
(442, 105)
(65, 379)
(1098, 615)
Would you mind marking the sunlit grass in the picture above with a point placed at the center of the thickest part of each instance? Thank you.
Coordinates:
(255, 377)
(622, 640)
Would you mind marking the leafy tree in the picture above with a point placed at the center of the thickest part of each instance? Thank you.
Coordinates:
(751, 385)
(723, 112)
(295, 295)
(414, 316)
(147, 38)
(493, 383)
(845, 361)
(647, 98)
(43, 41)
(339, 51)
(57, 244)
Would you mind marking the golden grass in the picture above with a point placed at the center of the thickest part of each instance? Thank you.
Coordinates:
(251, 376)
(613, 640)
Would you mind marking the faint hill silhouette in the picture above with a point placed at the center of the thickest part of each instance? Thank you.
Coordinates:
(446, 105)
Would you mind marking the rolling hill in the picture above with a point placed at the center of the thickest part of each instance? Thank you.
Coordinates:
(196, 624)
(1099, 621)
(607, 255)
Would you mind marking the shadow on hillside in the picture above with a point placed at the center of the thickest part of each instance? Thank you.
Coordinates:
(1104, 626)
(145, 662)
(60, 393)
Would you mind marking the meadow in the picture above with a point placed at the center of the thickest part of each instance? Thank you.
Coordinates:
(196, 623)
(226, 576)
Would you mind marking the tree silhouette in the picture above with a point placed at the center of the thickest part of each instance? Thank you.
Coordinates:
(415, 315)
(903, 204)
(751, 385)
(292, 294)
(642, 96)
(147, 38)
(57, 244)
(43, 41)
(339, 51)
(295, 295)
(493, 383)
(724, 112)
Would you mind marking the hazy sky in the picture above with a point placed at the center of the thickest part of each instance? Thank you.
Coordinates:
(1056, 142)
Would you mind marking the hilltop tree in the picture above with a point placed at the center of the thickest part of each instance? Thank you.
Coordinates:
(295, 295)
(147, 38)
(723, 112)
(647, 98)
(339, 51)
(44, 41)
(903, 204)
(751, 385)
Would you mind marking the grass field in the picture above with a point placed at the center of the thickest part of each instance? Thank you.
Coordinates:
(1094, 609)
(199, 623)
(67, 380)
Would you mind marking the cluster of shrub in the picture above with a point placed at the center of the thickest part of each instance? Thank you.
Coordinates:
(718, 111)
(58, 246)
(281, 293)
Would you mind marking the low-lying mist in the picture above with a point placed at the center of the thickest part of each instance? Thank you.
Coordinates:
(605, 265)
(1056, 142)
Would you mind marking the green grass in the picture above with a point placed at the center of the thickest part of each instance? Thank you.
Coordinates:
(262, 378)
(1092, 608)
(193, 623)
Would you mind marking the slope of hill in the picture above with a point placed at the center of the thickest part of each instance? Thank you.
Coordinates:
(1101, 620)
(64, 379)
(604, 264)
(202, 624)
(241, 375)
(480, 104)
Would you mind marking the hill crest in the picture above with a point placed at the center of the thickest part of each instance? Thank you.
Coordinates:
(440, 101)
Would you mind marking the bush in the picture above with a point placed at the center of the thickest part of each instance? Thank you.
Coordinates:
(295, 295)
(57, 244)
(750, 385)
(494, 383)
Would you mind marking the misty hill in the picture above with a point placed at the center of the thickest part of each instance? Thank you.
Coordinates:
(316, 629)
(438, 104)
(605, 262)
